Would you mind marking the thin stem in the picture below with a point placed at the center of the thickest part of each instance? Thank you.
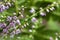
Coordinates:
(16, 6)
(32, 16)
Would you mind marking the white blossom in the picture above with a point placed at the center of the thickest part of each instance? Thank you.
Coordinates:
(33, 26)
(14, 13)
(42, 13)
(25, 25)
(56, 38)
(8, 3)
(54, 2)
(47, 10)
(22, 15)
(52, 8)
(30, 30)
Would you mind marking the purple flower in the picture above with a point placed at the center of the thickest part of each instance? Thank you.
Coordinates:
(42, 13)
(6, 7)
(33, 19)
(2, 25)
(2, 7)
(9, 18)
(5, 30)
(18, 22)
(51, 38)
(12, 24)
(18, 31)
(32, 10)
(14, 17)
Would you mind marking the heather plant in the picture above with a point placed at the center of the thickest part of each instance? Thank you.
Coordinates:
(29, 20)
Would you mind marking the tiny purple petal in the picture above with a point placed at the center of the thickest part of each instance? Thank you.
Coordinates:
(14, 17)
(3, 7)
(33, 19)
(2, 25)
(9, 18)
(12, 24)
(18, 31)
(32, 10)
(18, 22)
(6, 7)
(51, 38)
(5, 31)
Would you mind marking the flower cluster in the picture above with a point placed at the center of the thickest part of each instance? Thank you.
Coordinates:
(13, 22)
(4, 6)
